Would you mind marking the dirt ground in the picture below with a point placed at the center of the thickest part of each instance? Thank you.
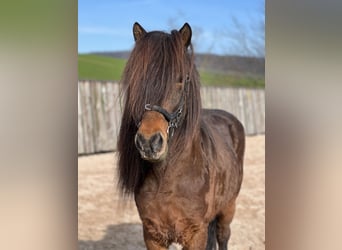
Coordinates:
(105, 221)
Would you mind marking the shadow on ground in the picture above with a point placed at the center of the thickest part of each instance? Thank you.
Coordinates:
(118, 237)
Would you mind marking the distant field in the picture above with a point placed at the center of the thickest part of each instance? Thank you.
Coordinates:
(94, 67)
(212, 79)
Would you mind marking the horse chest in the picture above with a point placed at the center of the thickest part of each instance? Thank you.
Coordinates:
(172, 213)
(169, 219)
(171, 205)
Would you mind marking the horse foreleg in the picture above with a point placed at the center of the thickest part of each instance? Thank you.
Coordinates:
(151, 243)
(223, 226)
(198, 240)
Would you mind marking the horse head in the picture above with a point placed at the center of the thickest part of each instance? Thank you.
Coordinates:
(162, 116)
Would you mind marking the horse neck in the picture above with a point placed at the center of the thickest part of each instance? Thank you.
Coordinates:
(181, 154)
(163, 176)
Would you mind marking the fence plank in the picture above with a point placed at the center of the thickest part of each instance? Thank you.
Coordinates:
(108, 115)
(100, 110)
(80, 124)
(88, 123)
(100, 128)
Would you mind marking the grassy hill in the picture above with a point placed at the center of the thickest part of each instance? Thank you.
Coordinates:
(104, 67)
(93, 67)
(233, 80)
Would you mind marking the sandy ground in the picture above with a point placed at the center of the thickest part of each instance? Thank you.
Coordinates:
(105, 221)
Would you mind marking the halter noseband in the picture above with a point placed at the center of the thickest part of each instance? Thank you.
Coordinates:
(172, 118)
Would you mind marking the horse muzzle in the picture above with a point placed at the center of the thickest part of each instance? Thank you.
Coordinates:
(151, 148)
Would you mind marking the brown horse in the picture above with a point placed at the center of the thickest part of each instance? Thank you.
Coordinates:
(182, 163)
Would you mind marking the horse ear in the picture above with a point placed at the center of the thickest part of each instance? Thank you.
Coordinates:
(186, 33)
(138, 31)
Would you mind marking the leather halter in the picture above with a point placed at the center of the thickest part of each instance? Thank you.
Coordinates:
(173, 118)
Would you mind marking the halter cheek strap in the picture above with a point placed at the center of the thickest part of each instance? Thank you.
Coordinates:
(172, 118)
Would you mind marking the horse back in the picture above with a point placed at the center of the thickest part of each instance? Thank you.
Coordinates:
(225, 136)
(228, 126)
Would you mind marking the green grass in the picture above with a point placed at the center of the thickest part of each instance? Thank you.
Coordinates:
(213, 79)
(93, 67)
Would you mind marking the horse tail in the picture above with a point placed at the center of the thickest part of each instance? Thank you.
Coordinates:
(211, 242)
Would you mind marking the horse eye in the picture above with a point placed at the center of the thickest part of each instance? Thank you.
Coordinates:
(179, 79)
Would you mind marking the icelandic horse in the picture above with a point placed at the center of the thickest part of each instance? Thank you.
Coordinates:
(183, 164)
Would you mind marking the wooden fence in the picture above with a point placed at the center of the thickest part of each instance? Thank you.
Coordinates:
(99, 112)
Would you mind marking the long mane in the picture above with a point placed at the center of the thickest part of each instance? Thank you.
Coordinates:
(157, 61)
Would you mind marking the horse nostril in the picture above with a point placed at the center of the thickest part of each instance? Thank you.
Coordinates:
(156, 142)
(139, 141)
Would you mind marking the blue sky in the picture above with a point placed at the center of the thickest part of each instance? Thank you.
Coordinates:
(220, 27)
